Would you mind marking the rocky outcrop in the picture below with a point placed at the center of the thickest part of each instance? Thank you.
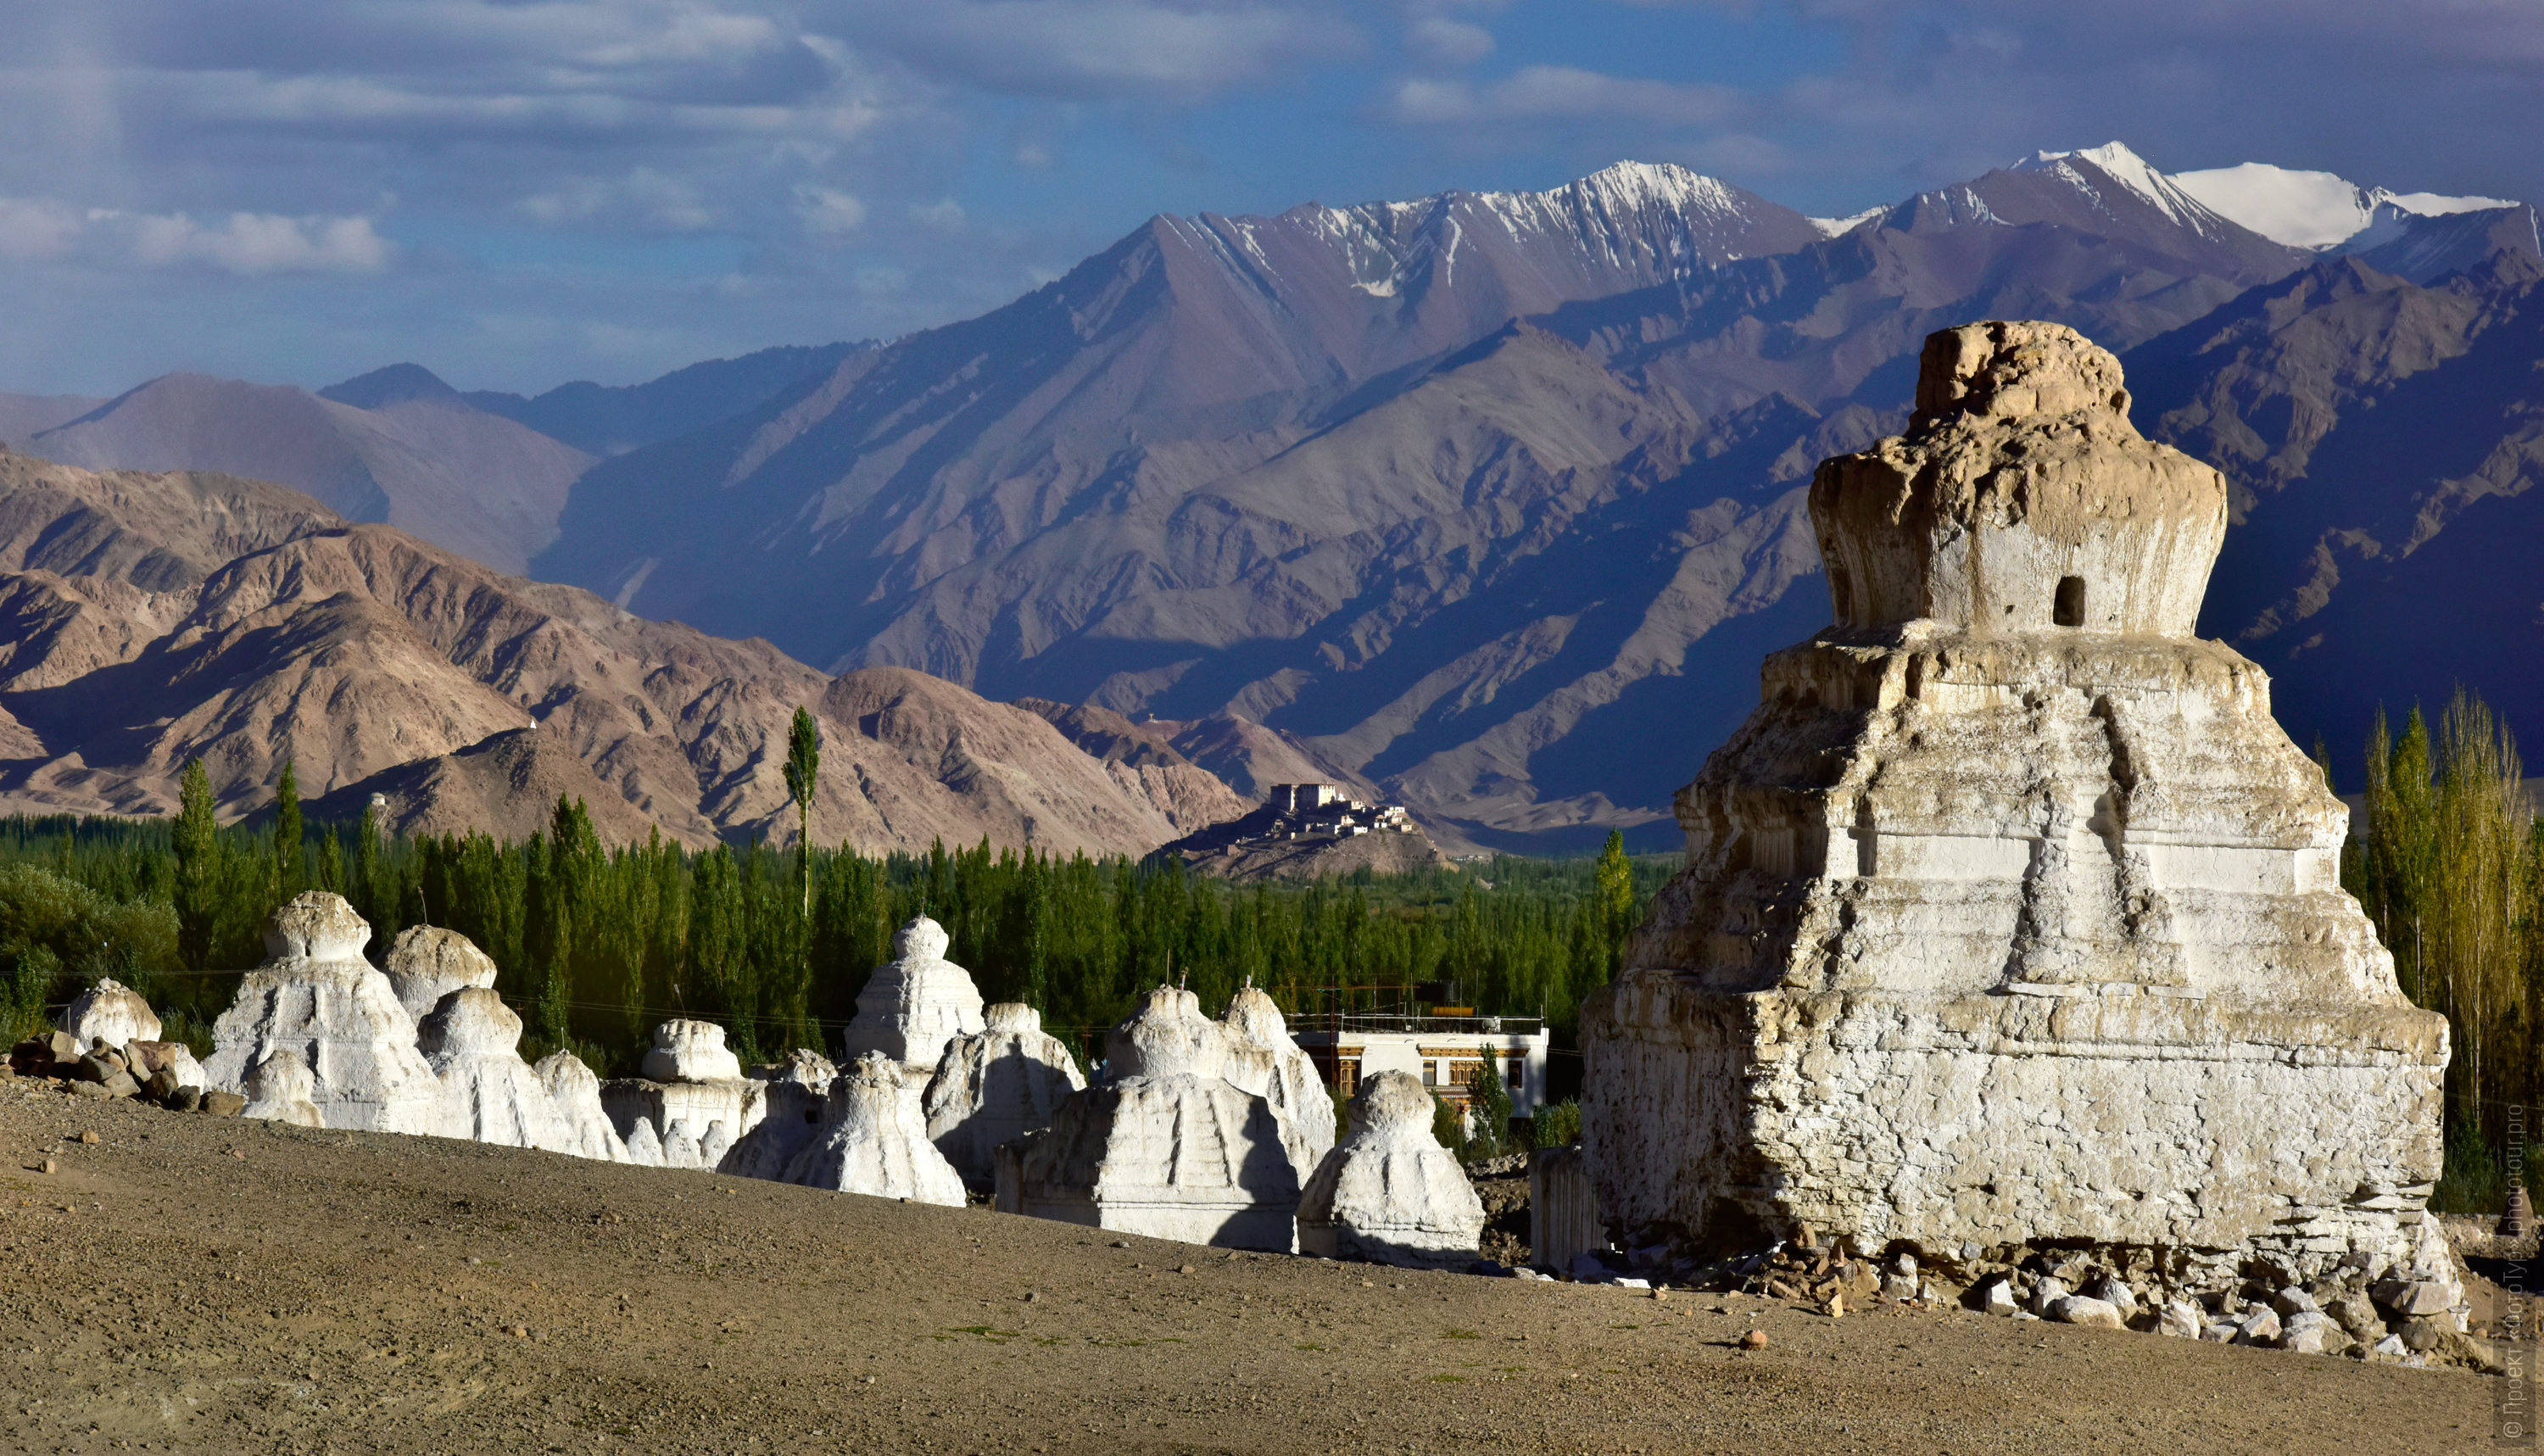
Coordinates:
(109, 1013)
(2010, 915)
(426, 963)
(318, 998)
(1166, 1145)
(575, 1093)
(994, 1087)
(915, 1004)
(489, 1094)
(1389, 1193)
(872, 1142)
(1309, 831)
(1262, 1059)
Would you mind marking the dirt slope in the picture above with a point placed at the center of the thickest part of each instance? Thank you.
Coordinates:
(228, 1286)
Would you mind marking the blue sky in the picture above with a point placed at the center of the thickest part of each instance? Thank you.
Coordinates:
(522, 193)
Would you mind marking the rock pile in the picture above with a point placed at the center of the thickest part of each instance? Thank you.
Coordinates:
(995, 1086)
(2409, 1312)
(915, 1004)
(1165, 1145)
(161, 1072)
(317, 998)
(1389, 1193)
(489, 1094)
(872, 1142)
(2011, 918)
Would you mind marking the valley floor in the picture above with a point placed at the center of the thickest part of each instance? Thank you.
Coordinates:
(200, 1283)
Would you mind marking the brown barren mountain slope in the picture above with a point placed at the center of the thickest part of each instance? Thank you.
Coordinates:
(152, 620)
(421, 459)
(205, 1284)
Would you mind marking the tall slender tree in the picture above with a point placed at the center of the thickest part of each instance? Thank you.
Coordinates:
(290, 878)
(331, 863)
(363, 890)
(198, 868)
(1615, 879)
(803, 768)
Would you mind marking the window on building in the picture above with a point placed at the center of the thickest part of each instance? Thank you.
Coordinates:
(1518, 1072)
(1430, 1073)
(2068, 610)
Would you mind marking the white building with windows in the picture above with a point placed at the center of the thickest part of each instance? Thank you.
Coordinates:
(1450, 1053)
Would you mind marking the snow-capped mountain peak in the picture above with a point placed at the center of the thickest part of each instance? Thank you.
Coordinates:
(1628, 224)
(1831, 227)
(2315, 210)
(2116, 161)
(1628, 185)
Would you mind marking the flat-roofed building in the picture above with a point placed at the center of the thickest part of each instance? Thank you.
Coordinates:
(1448, 1051)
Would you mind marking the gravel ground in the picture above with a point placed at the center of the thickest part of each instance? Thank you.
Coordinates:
(192, 1282)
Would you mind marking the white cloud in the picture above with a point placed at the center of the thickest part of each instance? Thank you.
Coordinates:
(1115, 49)
(36, 227)
(260, 242)
(1449, 43)
(1545, 93)
(644, 196)
(826, 211)
(944, 215)
(247, 243)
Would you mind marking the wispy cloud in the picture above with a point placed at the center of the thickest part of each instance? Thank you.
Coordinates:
(1545, 93)
(1110, 49)
(828, 212)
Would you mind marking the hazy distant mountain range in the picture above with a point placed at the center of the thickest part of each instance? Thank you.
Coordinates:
(1492, 500)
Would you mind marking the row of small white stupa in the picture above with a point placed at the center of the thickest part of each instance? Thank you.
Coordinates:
(1208, 1131)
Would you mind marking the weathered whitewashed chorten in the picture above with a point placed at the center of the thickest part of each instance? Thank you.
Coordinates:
(2012, 915)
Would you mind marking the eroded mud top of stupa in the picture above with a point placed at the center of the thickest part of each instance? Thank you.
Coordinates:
(2020, 499)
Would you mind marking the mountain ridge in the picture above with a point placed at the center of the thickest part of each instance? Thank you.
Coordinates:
(157, 619)
(1488, 501)
(1314, 472)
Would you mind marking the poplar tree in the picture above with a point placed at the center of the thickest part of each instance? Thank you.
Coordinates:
(365, 889)
(331, 863)
(1614, 882)
(288, 832)
(803, 767)
(198, 849)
